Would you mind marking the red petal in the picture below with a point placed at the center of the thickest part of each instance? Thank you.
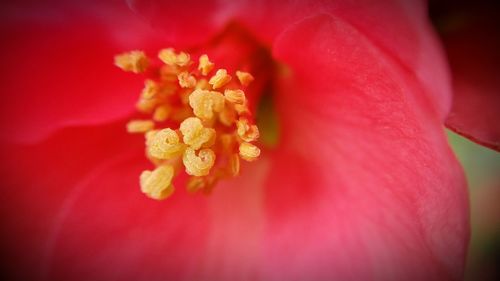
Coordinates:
(366, 187)
(38, 179)
(472, 41)
(399, 28)
(105, 228)
(59, 70)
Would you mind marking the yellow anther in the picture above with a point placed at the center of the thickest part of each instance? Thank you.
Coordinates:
(205, 65)
(183, 59)
(235, 96)
(249, 152)
(146, 105)
(246, 131)
(186, 80)
(244, 77)
(168, 56)
(220, 79)
(234, 164)
(150, 89)
(195, 135)
(133, 61)
(203, 84)
(242, 109)
(198, 165)
(162, 113)
(140, 126)
(165, 144)
(205, 103)
(157, 184)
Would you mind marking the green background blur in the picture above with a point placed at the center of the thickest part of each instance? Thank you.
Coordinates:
(482, 168)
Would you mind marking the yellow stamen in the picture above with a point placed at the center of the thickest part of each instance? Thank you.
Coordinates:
(244, 77)
(220, 79)
(249, 152)
(168, 56)
(234, 164)
(186, 80)
(165, 144)
(162, 113)
(235, 96)
(205, 124)
(140, 126)
(133, 61)
(150, 89)
(195, 135)
(202, 84)
(246, 131)
(205, 65)
(183, 59)
(205, 103)
(157, 184)
(198, 165)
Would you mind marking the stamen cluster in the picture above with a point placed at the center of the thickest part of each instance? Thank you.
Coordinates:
(199, 120)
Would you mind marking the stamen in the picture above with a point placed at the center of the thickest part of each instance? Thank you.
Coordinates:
(150, 89)
(186, 80)
(234, 164)
(246, 131)
(198, 165)
(133, 61)
(157, 184)
(249, 151)
(235, 96)
(220, 79)
(168, 56)
(140, 126)
(195, 135)
(165, 144)
(205, 124)
(206, 103)
(205, 65)
(244, 77)
(162, 113)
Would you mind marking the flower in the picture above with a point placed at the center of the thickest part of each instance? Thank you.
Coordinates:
(361, 185)
(474, 67)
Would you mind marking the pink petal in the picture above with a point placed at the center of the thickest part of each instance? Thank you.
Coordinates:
(472, 42)
(366, 187)
(58, 62)
(399, 28)
(103, 227)
(363, 186)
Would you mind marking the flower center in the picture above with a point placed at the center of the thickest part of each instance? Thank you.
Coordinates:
(198, 120)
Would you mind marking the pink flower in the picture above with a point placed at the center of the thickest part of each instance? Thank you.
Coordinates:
(361, 186)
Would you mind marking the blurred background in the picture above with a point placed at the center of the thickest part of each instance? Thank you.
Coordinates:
(482, 168)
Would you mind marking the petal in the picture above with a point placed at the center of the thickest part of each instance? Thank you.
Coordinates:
(366, 187)
(38, 179)
(399, 28)
(472, 40)
(59, 65)
(72, 210)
